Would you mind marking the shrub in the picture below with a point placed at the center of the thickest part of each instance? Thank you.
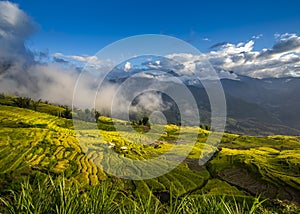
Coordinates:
(22, 102)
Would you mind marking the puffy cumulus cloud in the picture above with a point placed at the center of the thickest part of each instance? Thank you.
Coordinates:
(15, 27)
(127, 66)
(273, 62)
(191, 67)
(231, 59)
(239, 48)
(287, 43)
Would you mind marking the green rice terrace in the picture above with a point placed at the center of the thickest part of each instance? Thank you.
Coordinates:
(43, 169)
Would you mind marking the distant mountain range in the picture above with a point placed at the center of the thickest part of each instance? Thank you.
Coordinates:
(269, 105)
(254, 106)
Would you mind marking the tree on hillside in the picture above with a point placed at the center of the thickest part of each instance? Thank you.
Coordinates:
(22, 102)
(67, 113)
(97, 115)
(35, 104)
(144, 121)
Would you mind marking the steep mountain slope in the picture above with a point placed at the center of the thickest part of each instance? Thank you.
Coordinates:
(254, 106)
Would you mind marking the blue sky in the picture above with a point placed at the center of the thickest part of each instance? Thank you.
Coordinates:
(84, 27)
(260, 39)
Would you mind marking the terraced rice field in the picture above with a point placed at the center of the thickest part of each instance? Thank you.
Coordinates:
(242, 165)
(41, 142)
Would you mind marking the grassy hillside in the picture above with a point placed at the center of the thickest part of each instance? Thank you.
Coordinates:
(36, 143)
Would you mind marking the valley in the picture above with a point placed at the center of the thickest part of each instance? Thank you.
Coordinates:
(36, 144)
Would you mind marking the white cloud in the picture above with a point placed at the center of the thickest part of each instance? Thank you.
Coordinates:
(257, 36)
(58, 55)
(195, 66)
(14, 23)
(83, 58)
(20, 73)
(91, 62)
(284, 35)
(127, 66)
(242, 59)
(240, 47)
(15, 28)
(277, 35)
(266, 63)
